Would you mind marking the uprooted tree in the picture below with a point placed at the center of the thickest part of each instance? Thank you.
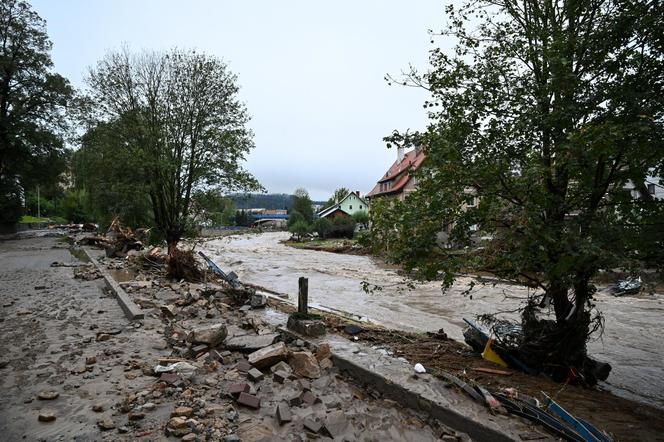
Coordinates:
(179, 114)
(548, 112)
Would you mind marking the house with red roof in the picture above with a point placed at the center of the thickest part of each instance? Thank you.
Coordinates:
(398, 180)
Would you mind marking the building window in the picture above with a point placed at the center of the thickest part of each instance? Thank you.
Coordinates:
(360, 206)
(651, 189)
(350, 207)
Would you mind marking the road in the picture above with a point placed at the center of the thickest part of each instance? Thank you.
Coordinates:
(48, 327)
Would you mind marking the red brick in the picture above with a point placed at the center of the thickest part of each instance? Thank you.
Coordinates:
(249, 400)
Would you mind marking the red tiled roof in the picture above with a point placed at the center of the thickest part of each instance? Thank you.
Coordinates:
(412, 160)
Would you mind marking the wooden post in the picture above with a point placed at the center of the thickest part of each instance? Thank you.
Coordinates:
(303, 295)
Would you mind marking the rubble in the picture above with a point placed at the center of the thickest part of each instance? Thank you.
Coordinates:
(212, 335)
(304, 364)
(268, 356)
(47, 416)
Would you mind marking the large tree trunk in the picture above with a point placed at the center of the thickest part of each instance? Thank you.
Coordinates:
(172, 239)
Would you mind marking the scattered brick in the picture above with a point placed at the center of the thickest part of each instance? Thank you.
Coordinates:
(249, 400)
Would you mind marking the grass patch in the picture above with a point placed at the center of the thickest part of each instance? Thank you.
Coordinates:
(28, 219)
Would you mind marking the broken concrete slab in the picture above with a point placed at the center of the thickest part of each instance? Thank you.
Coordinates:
(250, 342)
(268, 356)
(306, 327)
(335, 423)
(211, 335)
(312, 423)
(304, 364)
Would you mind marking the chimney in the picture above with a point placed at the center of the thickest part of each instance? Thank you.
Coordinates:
(400, 150)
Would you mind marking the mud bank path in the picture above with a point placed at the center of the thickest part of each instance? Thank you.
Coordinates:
(51, 325)
(633, 341)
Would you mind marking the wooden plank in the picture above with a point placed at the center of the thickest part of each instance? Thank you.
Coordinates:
(303, 295)
(493, 371)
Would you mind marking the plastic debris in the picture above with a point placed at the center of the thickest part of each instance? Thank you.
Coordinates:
(419, 368)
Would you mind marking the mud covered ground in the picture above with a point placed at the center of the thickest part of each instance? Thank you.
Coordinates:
(73, 368)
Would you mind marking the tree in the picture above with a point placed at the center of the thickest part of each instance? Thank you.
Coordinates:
(302, 204)
(322, 226)
(295, 217)
(33, 100)
(299, 228)
(180, 112)
(546, 110)
(361, 219)
(337, 196)
(113, 176)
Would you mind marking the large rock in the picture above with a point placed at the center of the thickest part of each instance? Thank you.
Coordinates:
(268, 356)
(304, 364)
(211, 335)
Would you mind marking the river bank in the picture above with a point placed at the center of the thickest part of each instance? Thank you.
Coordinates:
(632, 343)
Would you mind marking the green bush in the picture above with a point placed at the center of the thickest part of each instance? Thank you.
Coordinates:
(299, 228)
(342, 227)
(361, 219)
(322, 226)
(295, 217)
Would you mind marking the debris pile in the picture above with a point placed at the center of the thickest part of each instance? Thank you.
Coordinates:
(117, 242)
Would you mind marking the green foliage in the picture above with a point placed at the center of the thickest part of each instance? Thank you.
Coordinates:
(545, 111)
(243, 218)
(361, 219)
(179, 112)
(33, 100)
(295, 217)
(299, 228)
(45, 206)
(303, 205)
(342, 227)
(211, 207)
(322, 226)
(112, 173)
(338, 195)
(72, 207)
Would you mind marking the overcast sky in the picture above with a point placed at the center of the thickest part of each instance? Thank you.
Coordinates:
(311, 72)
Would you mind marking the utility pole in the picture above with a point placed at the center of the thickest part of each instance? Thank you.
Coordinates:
(38, 204)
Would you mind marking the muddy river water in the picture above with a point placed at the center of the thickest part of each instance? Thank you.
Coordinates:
(633, 339)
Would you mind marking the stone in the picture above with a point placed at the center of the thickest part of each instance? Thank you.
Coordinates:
(323, 351)
(249, 400)
(135, 416)
(211, 335)
(103, 337)
(255, 375)
(243, 366)
(258, 300)
(284, 414)
(335, 423)
(182, 412)
(295, 401)
(177, 422)
(106, 424)
(268, 356)
(168, 310)
(306, 327)
(308, 398)
(199, 349)
(281, 366)
(97, 408)
(304, 364)
(312, 424)
(149, 406)
(48, 395)
(170, 378)
(326, 364)
(352, 329)
(189, 437)
(237, 388)
(90, 360)
(250, 342)
(280, 376)
(46, 416)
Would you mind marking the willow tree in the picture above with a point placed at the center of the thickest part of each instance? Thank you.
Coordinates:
(179, 112)
(548, 111)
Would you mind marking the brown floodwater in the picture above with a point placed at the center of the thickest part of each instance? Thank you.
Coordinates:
(632, 342)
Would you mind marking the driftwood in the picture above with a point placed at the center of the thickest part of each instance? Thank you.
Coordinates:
(117, 241)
